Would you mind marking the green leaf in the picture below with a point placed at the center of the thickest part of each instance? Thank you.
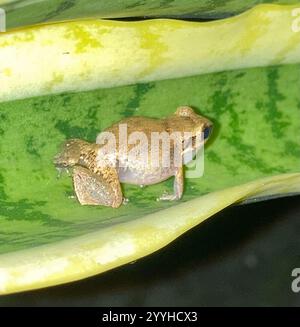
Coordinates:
(48, 238)
(28, 12)
(92, 54)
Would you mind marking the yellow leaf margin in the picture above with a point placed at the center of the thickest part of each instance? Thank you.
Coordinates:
(94, 253)
(89, 54)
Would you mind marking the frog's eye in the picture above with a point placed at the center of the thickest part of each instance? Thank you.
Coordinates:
(207, 132)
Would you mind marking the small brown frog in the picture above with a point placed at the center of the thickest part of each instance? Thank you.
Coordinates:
(99, 168)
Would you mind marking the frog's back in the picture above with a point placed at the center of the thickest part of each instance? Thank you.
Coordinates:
(138, 124)
(130, 169)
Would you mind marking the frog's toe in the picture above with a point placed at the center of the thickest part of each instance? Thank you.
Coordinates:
(125, 201)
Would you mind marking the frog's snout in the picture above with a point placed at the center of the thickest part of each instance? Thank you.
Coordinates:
(69, 154)
(63, 160)
(59, 162)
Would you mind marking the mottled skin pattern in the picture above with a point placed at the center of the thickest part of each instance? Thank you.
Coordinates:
(93, 185)
(97, 180)
(101, 188)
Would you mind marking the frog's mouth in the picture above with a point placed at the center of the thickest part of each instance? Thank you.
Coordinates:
(62, 161)
(61, 165)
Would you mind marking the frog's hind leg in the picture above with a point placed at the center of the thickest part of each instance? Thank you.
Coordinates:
(101, 188)
(178, 187)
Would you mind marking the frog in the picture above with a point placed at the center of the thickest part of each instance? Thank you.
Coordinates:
(99, 168)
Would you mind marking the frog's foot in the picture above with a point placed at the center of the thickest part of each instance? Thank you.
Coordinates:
(96, 189)
(178, 188)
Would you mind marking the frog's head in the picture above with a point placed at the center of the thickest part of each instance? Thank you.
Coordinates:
(71, 153)
(193, 123)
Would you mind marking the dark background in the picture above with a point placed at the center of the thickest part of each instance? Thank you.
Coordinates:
(243, 256)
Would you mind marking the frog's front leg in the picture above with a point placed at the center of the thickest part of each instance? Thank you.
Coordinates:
(178, 187)
(101, 187)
